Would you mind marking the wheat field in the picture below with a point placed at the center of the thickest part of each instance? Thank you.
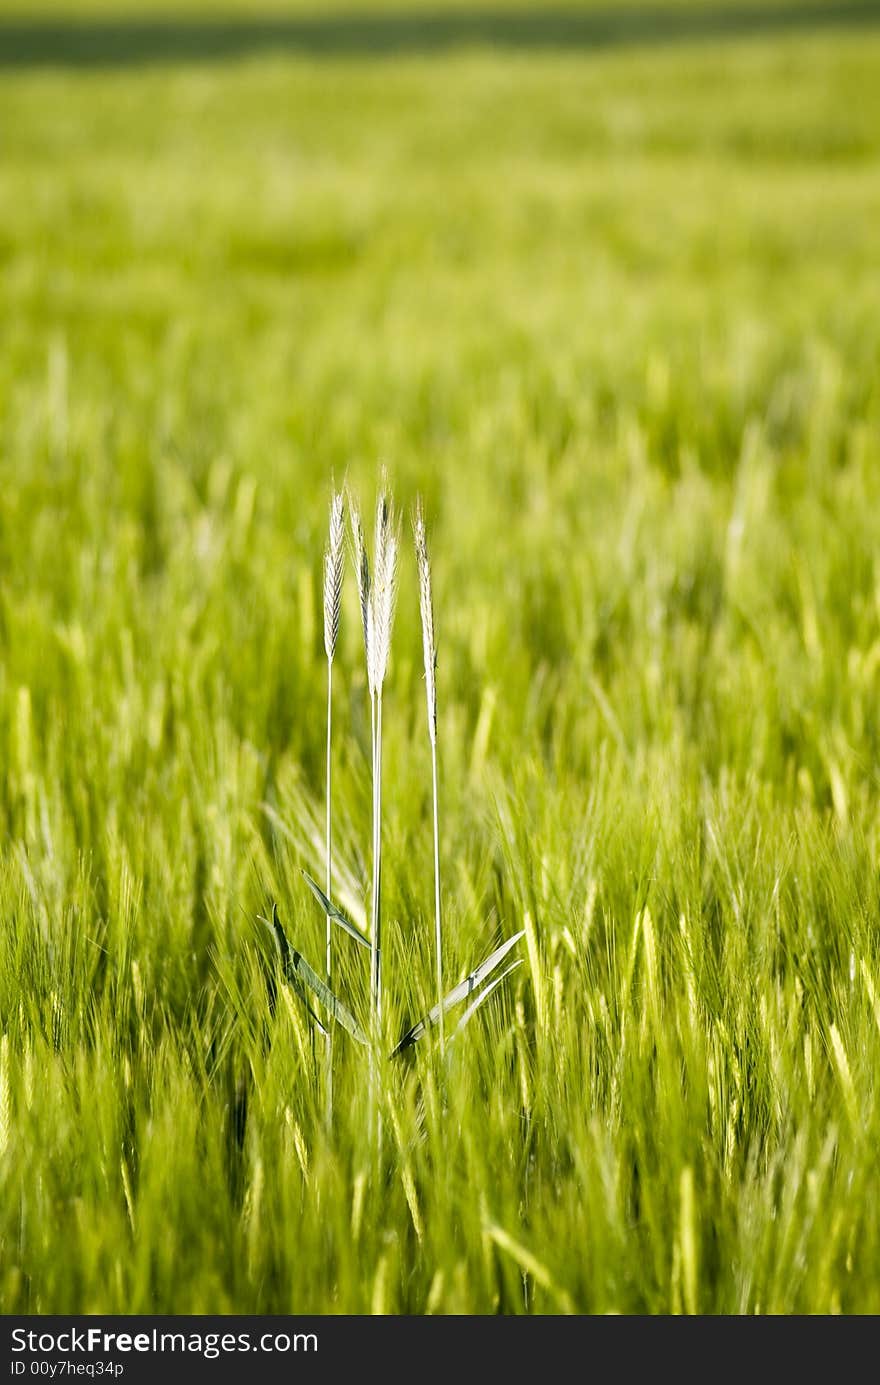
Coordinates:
(611, 311)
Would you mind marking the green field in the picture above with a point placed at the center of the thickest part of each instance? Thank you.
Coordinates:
(613, 311)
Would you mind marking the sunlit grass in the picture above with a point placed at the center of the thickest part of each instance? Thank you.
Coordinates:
(617, 319)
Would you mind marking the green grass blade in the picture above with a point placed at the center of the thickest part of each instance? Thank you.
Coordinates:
(332, 1003)
(458, 993)
(335, 913)
(283, 948)
(300, 975)
(483, 996)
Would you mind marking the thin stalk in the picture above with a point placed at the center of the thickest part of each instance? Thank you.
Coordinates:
(377, 870)
(375, 956)
(328, 1042)
(373, 936)
(377, 908)
(334, 561)
(438, 934)
(429, 646)
(377, 609)
(374, 944)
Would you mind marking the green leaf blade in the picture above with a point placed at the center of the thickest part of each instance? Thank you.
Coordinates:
(336, 913)
(483, 997)
(300, 975)
(457, 994)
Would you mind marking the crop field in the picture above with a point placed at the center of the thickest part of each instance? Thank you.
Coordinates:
(601, 289)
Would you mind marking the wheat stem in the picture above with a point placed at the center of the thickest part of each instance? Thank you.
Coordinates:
(438, 933)
(377, 598)
(381, 613)
(334, 562)
(374, 941)
(376, 979)
(426, 607)
(329, 1039)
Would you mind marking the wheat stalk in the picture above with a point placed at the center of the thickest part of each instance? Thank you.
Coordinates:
(381, 619)
(365, 596)
(429, 645)
(377, 593)
(334, 565)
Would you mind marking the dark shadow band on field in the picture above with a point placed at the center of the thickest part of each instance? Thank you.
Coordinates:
(126, 41)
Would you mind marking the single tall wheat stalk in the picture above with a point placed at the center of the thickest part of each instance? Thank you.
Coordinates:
(334, 563)
(430, 651)
(377, 594)
(365, 594)
(380, 621)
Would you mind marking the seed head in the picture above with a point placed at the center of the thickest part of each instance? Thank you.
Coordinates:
(362, 570)
(384, 591)
(334, 564)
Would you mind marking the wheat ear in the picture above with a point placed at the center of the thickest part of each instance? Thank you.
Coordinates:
(362, 572)
(334, 565)
(429, 646)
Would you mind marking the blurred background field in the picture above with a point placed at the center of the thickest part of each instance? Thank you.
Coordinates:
(236, 9)
(613, 308)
